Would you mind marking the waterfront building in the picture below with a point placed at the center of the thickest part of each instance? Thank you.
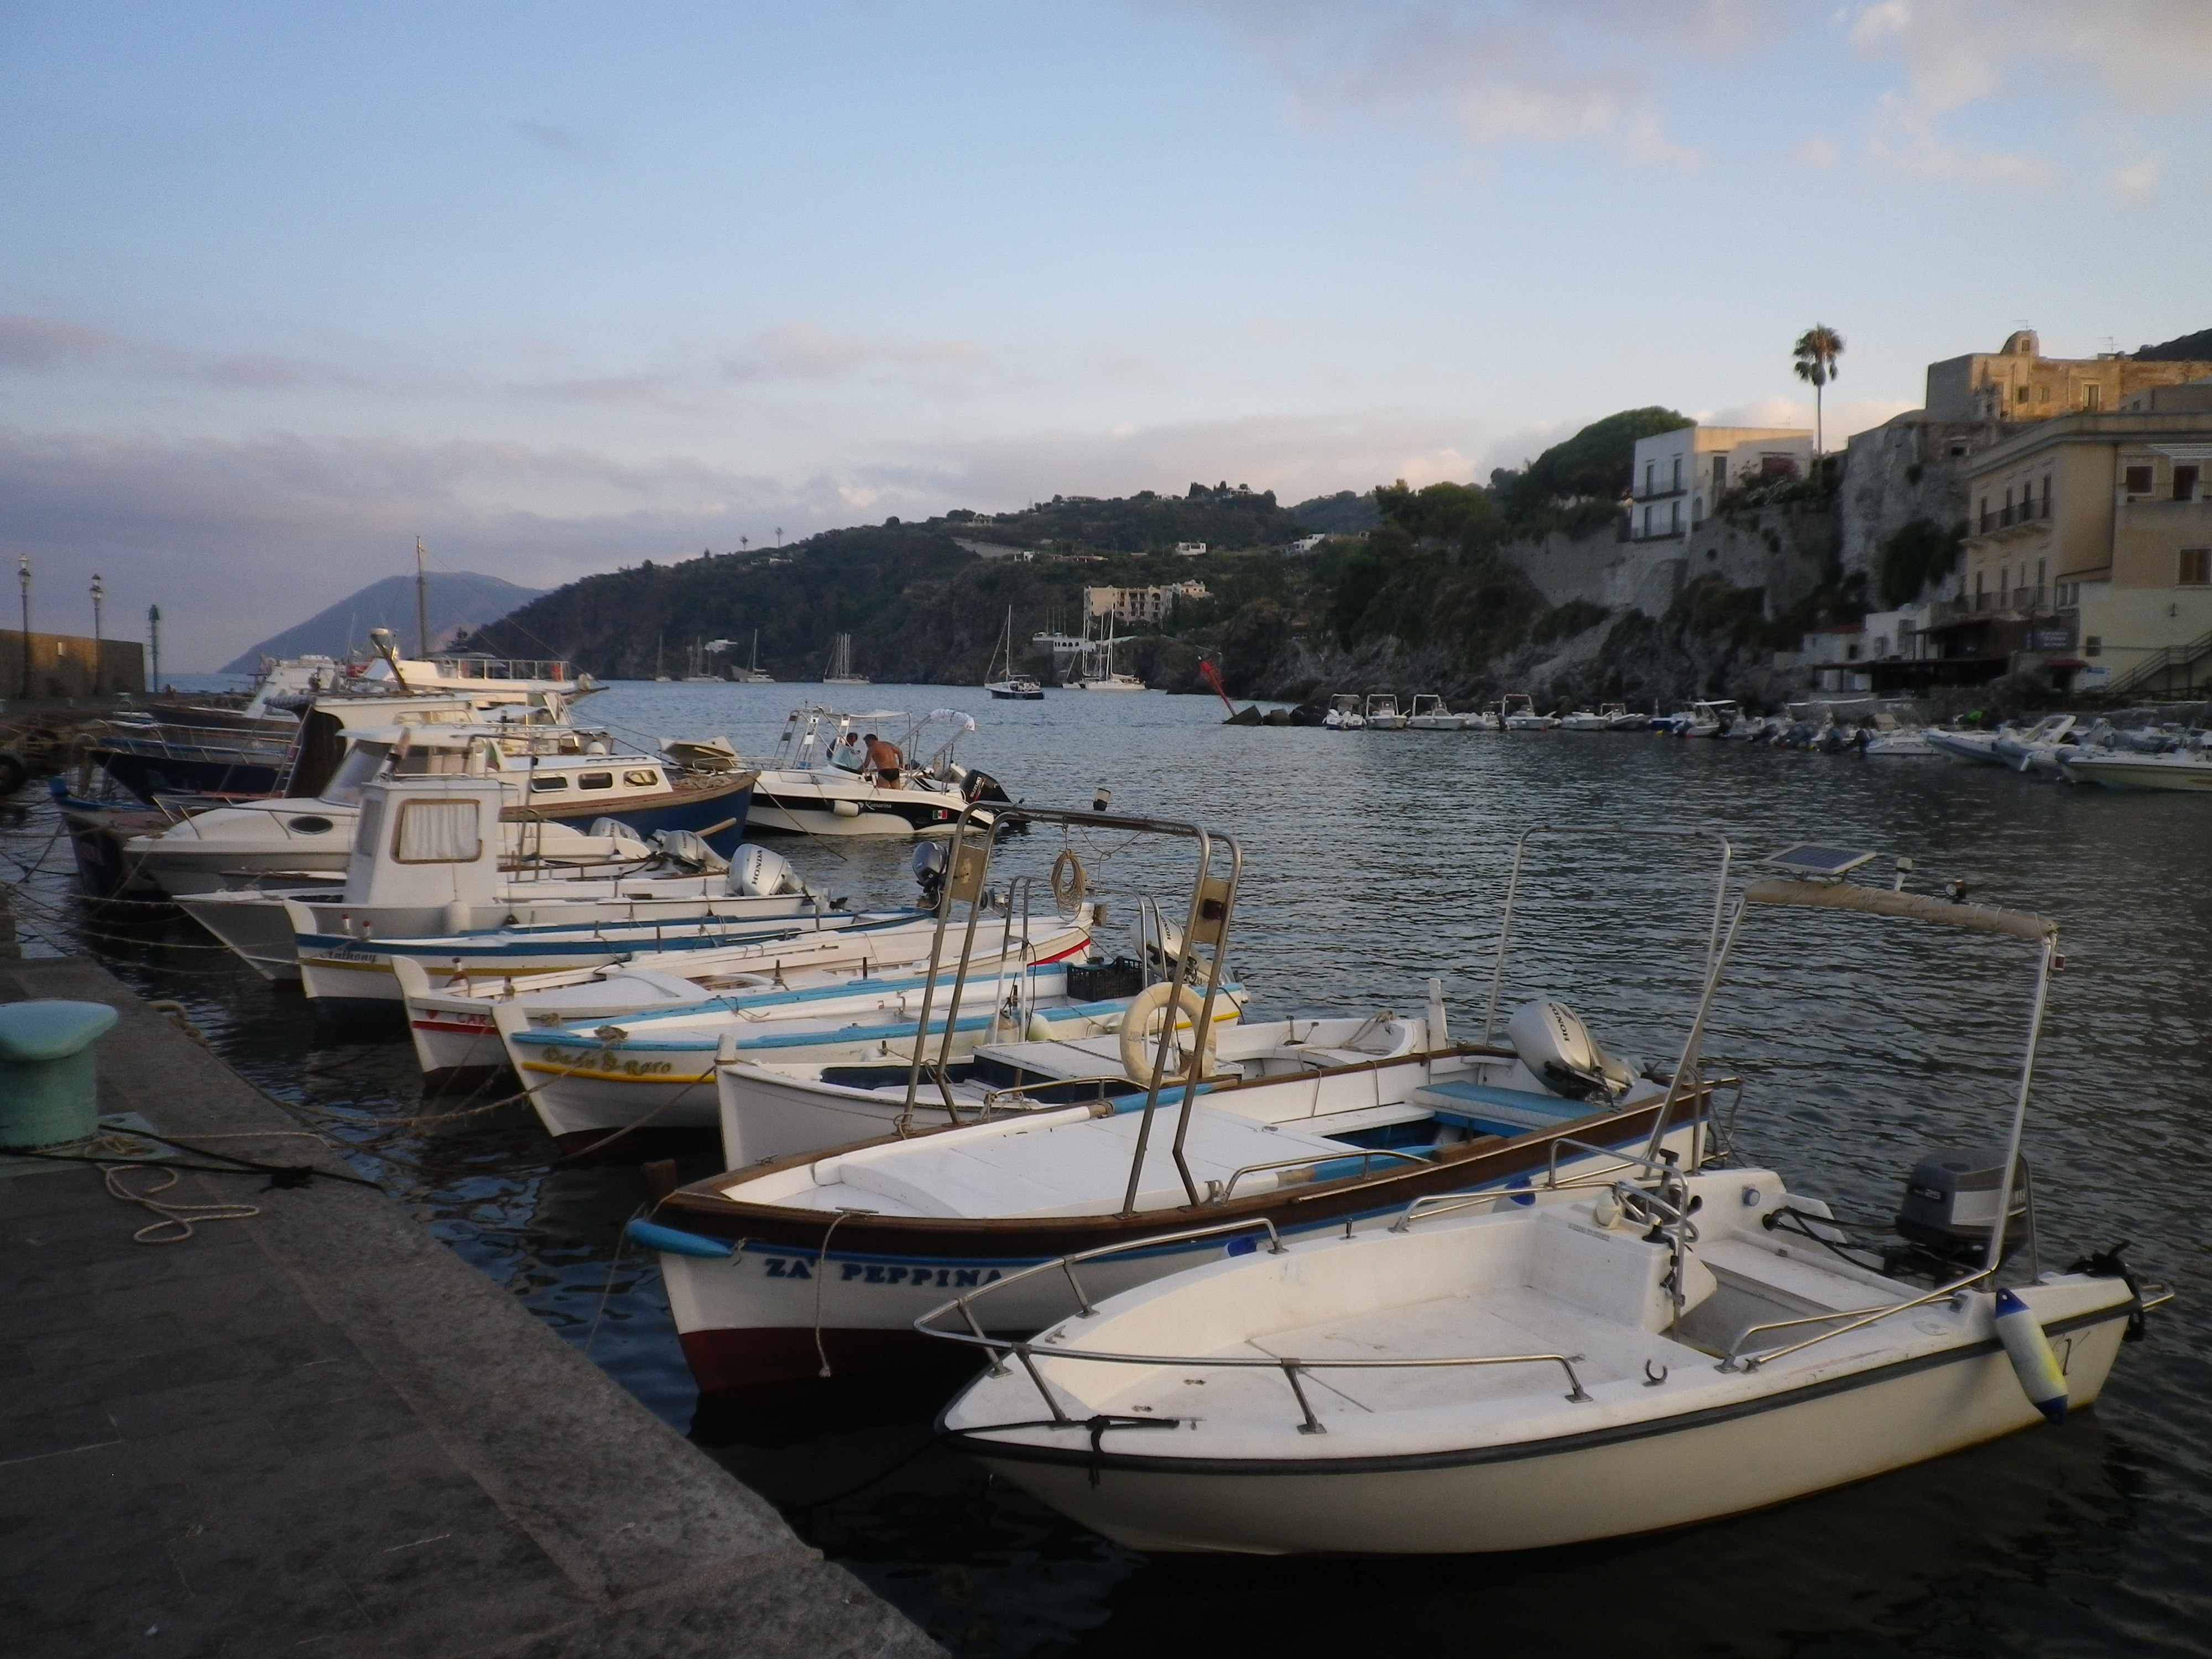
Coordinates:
(2090, 547)
(1679, 476)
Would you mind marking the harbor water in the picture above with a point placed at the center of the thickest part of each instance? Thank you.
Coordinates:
(1373, 861)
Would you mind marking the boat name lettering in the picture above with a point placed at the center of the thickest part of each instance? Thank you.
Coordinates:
(943, 1278)
(607, 1061)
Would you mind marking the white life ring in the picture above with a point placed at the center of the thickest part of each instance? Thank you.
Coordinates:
(1141, 1046)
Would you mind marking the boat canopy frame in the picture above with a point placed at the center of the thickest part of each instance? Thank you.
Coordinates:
(1211, 908)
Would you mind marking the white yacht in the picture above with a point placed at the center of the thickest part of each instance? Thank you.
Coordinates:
(817, 782)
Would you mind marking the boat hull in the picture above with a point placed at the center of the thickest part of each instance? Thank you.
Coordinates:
(1810, 1433)
(863, 1285)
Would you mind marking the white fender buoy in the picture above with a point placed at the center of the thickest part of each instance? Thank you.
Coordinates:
(2033, 1362)
(845, 809)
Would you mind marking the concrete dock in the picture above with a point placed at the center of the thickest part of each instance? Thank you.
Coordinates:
(318, 1431)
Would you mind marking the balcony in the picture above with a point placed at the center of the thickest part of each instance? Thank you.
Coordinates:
(2023, 516)
(1660, 494)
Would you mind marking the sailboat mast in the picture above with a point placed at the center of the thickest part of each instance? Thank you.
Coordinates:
(421, 604)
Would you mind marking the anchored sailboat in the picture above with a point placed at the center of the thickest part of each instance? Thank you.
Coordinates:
(840, 665)
(1013, 685)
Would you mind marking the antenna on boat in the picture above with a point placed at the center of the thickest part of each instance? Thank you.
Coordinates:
(421, 604)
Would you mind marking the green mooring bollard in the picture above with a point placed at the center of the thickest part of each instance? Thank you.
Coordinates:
(49, 1075)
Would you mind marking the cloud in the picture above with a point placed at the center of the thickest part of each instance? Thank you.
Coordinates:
(653, 391)
(1563, 71)
(802, 350)
(2137, 178)
(47, 343)
(1819, 151)
(1841, 417)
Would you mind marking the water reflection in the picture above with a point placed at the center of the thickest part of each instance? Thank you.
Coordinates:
(1375, 860)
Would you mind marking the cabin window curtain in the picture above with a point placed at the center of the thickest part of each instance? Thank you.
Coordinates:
(438, 832)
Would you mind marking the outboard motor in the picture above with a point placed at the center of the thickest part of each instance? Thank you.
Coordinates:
(689, 850)
(758, 873)
(929, 872)
(1555, 1045)
(1950, 1206)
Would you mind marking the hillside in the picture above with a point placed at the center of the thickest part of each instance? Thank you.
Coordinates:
(920, 607)
(1429, 598)
(458, 600)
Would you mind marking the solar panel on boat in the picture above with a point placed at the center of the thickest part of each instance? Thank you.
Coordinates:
(1810, 858)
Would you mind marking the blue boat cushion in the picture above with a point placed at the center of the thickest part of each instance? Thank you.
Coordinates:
(49, 1029)
(1486, 1110)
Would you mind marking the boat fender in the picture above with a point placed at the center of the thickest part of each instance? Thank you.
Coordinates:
(845, 809)
(1039, 1028)
(2033, 1362)
(670, 1241)
(455, 918)
(726, 1048)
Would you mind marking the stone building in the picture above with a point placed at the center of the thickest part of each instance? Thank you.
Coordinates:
(1140, 607)
(2019, 383)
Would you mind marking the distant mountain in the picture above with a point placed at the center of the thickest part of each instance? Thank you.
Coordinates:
(2189, 348)
(459, 601)
(1341, 515)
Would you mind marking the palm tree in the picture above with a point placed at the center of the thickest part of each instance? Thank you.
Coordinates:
(1817, 350)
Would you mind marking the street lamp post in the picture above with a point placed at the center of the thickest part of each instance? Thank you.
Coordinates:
(23, 575)
(99, 593)
(154, 642)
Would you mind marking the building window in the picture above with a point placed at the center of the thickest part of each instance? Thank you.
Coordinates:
(1650, 472)
(2046, 494)
(1674, 518)
(2039, 567)
(2138, 481)
(2020, 396)
(1678, 472)
(2007, 519)
(2184, 483)
(1647, 521)
(2197, 566)
(2043, 394)
(2092, 396)
(1985, 513)
(1720, 474)
(2094, 646)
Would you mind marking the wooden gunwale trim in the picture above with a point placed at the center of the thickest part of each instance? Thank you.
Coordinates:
(702, 1209)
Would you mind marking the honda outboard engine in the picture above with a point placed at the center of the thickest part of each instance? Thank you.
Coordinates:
(1555, 1045)
(756, 872)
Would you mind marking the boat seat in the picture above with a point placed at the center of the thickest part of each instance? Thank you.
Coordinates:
(1493, 1111)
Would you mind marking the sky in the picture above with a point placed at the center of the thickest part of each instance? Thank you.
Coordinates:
(560, 288)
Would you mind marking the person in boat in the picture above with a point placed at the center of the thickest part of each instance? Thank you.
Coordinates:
(846, 756)
(884, 761)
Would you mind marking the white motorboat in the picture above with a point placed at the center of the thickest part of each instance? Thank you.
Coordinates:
(1905, 742)
(1381, 713)
(1591, 719)
(1430, 713)
(1625, 719)
(1488, 1377)
(1344, 713)
(839, 672)
(659, 1064)
(1518, 714)
(573, 796)
(425, 877)
(2019, 749)
(817, 782)
(457, 1040)
(2186, 770)
(1974, 748)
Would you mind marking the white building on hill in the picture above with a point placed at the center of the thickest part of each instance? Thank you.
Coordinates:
(1680, 475)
